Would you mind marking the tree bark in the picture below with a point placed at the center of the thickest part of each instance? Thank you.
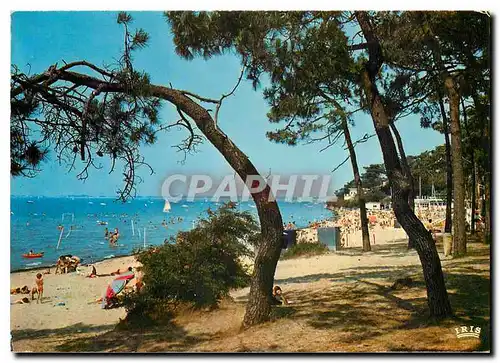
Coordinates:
(459, 237)
(404, 164)
(406, 172)
(473, 198)
(361, 195)
(449, 169)
(437, 296)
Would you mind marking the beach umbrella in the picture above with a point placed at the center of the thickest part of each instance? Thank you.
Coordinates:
(115, 287)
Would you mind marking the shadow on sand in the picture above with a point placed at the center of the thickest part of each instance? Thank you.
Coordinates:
(359, 308)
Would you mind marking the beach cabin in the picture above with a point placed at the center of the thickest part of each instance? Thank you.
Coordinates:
(430, 202)
(330, 236)
(373, 206)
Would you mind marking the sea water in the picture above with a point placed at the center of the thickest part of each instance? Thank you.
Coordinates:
(35, 220)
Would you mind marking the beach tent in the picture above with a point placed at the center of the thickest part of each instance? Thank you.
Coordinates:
(115, 287)
(330, 236)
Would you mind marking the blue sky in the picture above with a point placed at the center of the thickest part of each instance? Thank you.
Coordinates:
(44, 38)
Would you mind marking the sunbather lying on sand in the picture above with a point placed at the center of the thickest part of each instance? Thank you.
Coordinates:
(24, 300)
(119, 271)
(20, 290)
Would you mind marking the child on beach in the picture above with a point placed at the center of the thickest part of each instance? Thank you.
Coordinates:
(38, 288)
(24, 300)
(93, 273)
(278, 297)
(20, 290)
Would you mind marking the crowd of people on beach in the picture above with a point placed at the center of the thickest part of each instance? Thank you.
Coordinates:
(109, 299)
(349, 221)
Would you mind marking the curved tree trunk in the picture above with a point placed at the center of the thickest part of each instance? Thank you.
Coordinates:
(449, 169)
(271, 224)
(406, 172)
(361, 195)
(437, 296)
(404, 164)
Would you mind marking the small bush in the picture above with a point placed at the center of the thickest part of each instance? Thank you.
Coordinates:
(197, 267)
(305, 249)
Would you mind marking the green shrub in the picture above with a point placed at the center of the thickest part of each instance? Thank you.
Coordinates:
(197, 267)
(304, 249)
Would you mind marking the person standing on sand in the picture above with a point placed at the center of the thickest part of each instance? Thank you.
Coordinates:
(38, 288)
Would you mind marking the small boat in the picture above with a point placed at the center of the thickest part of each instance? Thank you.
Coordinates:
(102, 203)
(102, 223)
(33, 255)
(166, 207)
(30, 202)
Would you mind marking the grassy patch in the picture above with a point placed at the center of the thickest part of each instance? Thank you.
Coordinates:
(305, 250)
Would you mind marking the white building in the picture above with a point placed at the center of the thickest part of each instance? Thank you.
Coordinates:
(351, 194)
(373, 206)
(428, 202)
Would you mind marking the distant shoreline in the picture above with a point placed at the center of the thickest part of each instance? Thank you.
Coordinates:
(183, 200)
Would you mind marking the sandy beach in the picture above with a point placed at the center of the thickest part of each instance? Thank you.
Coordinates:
(341, 301)
(78, 293)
